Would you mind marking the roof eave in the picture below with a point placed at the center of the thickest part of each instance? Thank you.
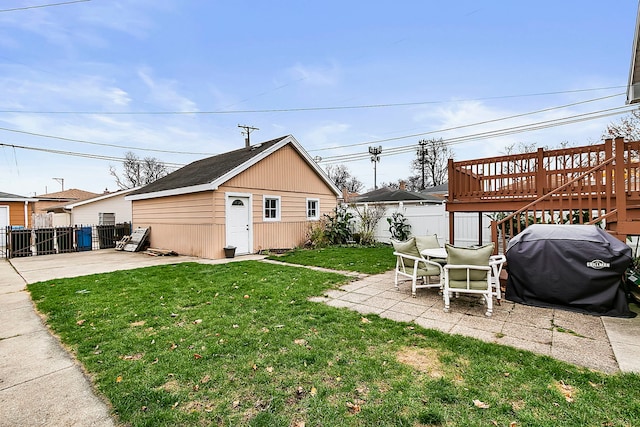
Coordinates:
(173, 192)
(633, 87)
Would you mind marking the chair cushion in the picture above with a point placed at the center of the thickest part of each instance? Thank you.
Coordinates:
(427, 242)
(408, 247)
(468, 256)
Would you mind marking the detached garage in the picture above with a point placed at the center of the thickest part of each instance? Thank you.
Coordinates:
(260, 197)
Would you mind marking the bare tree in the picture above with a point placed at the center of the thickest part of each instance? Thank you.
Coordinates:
(627, 127)
(394, 185)
(342, 178)
(412, 183)
(431, 162)
(136, 172)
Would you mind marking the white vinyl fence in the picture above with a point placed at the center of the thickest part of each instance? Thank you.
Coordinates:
(434, 219)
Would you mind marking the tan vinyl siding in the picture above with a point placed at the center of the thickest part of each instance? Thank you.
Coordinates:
(196, 208)
(200, 240)
(285, 170)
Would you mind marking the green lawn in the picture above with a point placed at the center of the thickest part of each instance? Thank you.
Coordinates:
(369, 260)
(240, 344)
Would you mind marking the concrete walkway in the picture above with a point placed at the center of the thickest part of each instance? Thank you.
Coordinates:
(42, 385)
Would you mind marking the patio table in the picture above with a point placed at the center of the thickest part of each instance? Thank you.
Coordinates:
(434, 253)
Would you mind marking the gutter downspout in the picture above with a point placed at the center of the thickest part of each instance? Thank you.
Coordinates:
(26, 214)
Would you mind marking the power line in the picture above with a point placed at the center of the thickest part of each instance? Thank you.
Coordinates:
(102, 144)
(78, 154)
(290, 110)
(43, 5)
(544, 110)
(318, 149)
(490, 134)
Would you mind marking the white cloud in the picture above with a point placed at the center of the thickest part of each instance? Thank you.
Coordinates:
(315, 75)
(164, 93)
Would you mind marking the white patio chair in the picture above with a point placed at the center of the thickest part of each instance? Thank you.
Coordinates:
(496, 262)
(410, 264)
(468, 271)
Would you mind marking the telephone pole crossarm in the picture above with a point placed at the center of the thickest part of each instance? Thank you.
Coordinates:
(247, 131)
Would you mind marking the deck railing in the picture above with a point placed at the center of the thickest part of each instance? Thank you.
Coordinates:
(569, 185)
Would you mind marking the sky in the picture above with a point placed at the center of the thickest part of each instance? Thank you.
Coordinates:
(84, 82)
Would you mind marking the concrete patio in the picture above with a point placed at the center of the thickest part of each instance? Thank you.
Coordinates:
(601, 343)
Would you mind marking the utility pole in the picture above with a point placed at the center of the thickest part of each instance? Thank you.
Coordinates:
(246, 132)
(421, 153)
(375, 158)
(61, 181)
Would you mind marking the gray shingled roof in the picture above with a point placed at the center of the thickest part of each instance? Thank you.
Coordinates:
(206, 170)
(389, 195)
(11, 196)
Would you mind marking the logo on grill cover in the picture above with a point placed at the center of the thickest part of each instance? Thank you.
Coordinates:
(598, 264)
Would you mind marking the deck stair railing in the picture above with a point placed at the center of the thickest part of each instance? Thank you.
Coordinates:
(584, 199)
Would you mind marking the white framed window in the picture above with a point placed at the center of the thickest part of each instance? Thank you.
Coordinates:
(313, 209)
(271, 208)
(106, 218)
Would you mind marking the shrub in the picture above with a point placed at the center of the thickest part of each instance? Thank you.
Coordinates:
(398, 227)
(337, 229)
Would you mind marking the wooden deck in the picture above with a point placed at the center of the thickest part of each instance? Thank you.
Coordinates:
(564, 186)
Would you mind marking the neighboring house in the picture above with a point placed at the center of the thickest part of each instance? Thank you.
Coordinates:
(49, 211)
(108, 209)
(440, 191)
(16, 210)
(260, 197)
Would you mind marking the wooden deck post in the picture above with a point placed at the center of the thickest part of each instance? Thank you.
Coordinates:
(540, 173)
(620, 186)
(451, 228)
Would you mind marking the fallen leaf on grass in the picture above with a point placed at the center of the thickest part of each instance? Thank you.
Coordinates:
(353, 408)
(205, 379)
(480, 404)
(136, 356)
(197, 356)
(154, 361)
(365, 320)
(299, 424)
(246, 297)
(313, 391)
(80, 322)
(119, 379)
(197, 321)
(173, 346)
(235, 404)
(138, 323)
(566, 390)
(300, 341)
(269, 369)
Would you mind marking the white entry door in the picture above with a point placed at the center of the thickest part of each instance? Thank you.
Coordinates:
(239, 223)
(4, 224)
